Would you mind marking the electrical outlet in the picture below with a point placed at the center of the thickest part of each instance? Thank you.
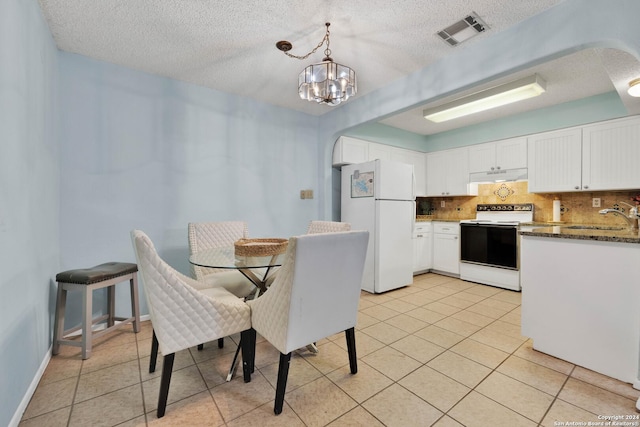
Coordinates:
(442, 204)
(595, 202)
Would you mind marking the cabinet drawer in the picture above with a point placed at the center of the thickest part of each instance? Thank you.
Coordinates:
(421, 228)
(446, 228)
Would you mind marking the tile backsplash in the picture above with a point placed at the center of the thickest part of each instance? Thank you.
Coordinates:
(575, 207)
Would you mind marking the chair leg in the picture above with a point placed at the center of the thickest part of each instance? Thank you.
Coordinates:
(220, 342)
(351, 348)
(248, 348)
(58, 328)
(87, 321)
(165, 381)
(111, 303)
(154, 353)
(135, 306)
(283, 373)
(252, 357)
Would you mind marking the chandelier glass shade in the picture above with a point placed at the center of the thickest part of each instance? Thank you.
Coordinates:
(327, 82)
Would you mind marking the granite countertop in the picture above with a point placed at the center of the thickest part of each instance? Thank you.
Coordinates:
(606, 234)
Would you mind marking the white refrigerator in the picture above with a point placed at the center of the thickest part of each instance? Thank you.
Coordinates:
(379, 196)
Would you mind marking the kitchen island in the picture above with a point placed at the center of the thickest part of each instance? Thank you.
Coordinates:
(581, 296)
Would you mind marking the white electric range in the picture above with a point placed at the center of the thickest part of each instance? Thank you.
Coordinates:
(490, 244)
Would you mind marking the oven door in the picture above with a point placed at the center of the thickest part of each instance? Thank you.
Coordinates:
(489, 244)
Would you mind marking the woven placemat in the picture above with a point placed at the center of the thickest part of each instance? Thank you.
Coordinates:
(260, 247)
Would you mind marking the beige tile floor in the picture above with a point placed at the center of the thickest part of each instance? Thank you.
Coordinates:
(442, 352)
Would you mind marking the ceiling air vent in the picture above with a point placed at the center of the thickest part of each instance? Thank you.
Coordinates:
(462, 30)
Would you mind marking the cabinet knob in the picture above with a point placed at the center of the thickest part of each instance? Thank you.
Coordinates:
(577, 187)
(586, 187)
(492, 168)
(498, 167)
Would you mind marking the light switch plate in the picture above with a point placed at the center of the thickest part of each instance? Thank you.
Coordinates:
(442, 204)
(595, 202)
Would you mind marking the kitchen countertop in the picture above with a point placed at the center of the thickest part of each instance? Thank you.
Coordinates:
(564, 232)
(429, 218)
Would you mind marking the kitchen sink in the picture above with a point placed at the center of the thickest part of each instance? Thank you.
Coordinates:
(593, 227)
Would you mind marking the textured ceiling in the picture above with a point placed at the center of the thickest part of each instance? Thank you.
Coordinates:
(230, 46)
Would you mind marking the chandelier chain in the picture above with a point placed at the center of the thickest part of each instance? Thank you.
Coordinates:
(327, 51)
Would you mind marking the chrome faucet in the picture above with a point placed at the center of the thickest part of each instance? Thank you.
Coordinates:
(632, 219)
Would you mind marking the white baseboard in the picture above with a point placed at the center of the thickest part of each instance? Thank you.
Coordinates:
(17, 416)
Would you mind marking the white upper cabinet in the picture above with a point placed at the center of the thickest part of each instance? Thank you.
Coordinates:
(602, 156)
(416, 159)
(504, 154)
(611, 155)
(555, 161)
(380, 151)
(349, 150)
(448, 173)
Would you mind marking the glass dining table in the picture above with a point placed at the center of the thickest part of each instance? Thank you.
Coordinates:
(259, 270)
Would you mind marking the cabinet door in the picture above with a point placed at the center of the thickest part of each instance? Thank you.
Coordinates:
(448, 173)
(611, 155)
(422, 253)
(511, 153)
(457, 173)
(446, 253)
(482, 157)
(436, 173)
(555, 161)
(350, 150)
(379, 151)
(416, 159)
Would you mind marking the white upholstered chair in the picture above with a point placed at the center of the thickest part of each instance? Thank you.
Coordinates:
(183, 311)
(314, 295)
(316, 227)
(327, 227)
(210, 235)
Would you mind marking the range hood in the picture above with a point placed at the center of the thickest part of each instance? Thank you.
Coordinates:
(499, 175)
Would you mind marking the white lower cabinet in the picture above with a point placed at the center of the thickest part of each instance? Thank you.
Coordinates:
(446, 247)
(580, 302)
(422, 247)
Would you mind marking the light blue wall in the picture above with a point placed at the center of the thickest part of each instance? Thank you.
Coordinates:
(29, 197)
(142, 151)
(378, 132)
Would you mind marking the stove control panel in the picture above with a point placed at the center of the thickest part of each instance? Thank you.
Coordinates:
(523, 207)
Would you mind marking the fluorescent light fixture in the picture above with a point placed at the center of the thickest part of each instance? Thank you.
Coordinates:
(497, 96)
(634, 88)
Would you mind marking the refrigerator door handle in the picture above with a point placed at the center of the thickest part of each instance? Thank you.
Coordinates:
(413, 218)
(413, 183)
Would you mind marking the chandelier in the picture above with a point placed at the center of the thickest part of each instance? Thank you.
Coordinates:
(326, 82)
